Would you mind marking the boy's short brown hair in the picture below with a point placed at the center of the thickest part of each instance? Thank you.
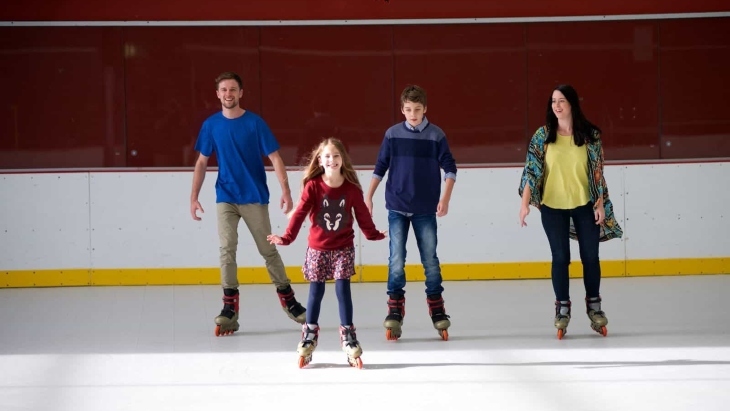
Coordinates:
(228, 75)
(414, 94)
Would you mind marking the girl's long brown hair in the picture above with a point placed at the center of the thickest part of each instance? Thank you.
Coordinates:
(313, 169)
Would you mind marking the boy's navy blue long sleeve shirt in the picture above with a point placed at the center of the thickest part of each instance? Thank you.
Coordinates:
(414, 158)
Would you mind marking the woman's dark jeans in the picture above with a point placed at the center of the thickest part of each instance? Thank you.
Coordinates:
(557, 224)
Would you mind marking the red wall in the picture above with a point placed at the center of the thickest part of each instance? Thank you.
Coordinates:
(136, 96)
(121, 10)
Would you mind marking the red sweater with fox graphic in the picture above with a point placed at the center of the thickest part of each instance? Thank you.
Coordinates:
(331, 211)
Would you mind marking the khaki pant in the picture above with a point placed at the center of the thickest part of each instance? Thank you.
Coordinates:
(256, 217)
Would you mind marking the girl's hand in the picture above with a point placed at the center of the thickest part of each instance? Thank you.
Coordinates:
(274, 239)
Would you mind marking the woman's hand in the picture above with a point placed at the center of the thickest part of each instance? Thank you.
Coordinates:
(524, 211)
(599, 213)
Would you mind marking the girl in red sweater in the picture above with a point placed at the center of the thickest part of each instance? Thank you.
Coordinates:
(331, 196)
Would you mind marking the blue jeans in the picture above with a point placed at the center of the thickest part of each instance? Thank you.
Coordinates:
(424, 227)
(557, 225)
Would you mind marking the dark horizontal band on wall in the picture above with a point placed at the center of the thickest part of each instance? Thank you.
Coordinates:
(339, 22)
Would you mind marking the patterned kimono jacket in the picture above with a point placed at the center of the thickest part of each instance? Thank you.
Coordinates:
(534, 176)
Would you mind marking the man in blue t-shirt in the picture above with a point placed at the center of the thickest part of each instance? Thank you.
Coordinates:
(413, 153)
(240, 139)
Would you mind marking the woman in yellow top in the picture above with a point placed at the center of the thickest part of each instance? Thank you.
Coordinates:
(563, 178)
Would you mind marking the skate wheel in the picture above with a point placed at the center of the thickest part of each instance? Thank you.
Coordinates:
(390, 335)
(358, 363)
(302, 362)
(444, 334)
(219, 331)
(561, 334)
(604, 331)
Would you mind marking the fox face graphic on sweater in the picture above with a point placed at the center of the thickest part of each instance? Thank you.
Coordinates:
(333, 212)
(333, 215)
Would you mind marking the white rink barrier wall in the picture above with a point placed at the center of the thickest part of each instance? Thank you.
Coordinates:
(134, 228)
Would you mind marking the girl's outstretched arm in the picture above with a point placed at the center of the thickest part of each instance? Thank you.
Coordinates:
(297, 219)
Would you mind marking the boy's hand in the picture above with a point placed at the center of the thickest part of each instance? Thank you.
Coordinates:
(369, 205)
(274, 239)
(443, 208)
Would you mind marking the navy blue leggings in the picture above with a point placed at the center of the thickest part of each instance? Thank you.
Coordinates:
(557, 225)
(344, 296)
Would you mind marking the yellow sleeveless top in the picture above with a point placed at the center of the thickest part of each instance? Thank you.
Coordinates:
(566, 174)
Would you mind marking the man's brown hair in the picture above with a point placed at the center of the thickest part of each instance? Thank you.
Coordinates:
(228, 75)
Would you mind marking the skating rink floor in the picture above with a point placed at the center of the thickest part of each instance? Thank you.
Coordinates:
(153, 348)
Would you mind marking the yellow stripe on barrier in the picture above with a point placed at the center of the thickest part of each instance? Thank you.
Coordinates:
(368, 273)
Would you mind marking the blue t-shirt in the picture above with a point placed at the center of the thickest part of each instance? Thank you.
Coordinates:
(240, 145)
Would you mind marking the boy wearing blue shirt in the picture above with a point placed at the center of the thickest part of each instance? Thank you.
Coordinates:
(240, 139)
(413, 153)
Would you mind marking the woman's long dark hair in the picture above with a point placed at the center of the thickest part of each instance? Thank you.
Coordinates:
(582, 128)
